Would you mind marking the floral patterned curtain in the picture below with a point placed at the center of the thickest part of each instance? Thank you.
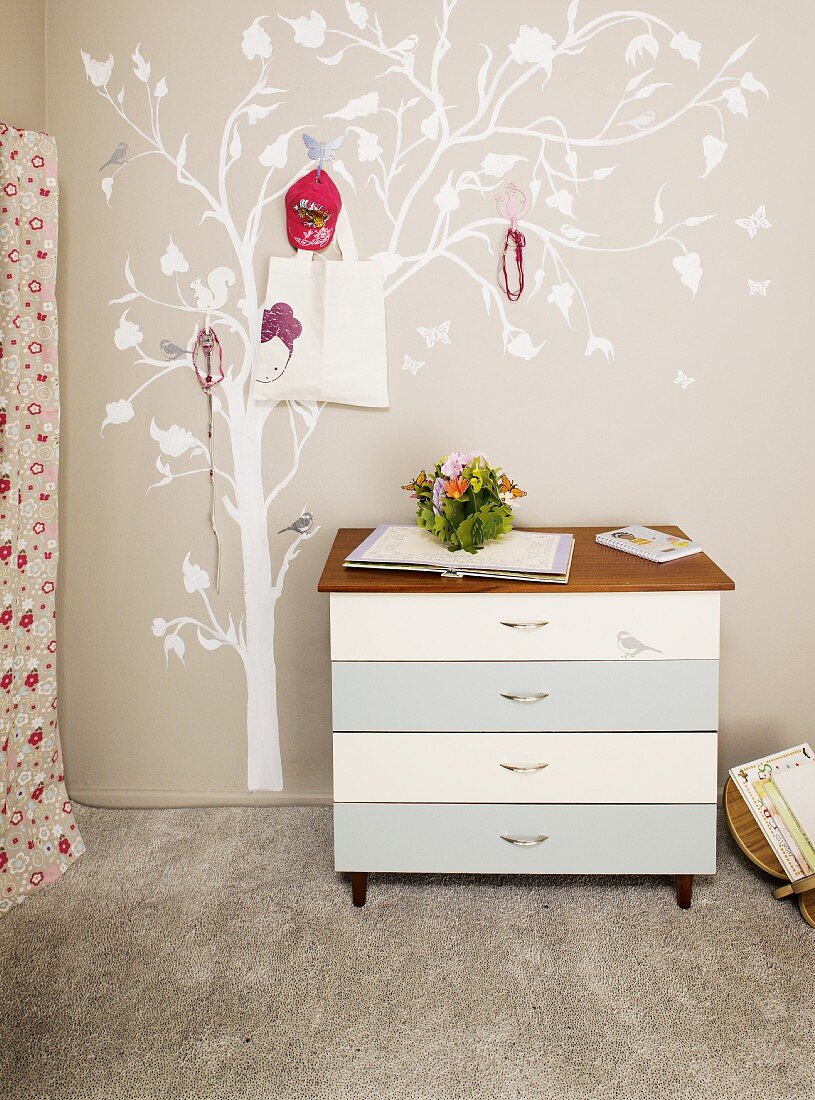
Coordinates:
(38, 835)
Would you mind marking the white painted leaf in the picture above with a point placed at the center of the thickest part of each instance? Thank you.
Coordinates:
(571, 161)
(181, 156)
(697, 220)
(160, 90)
(208, 643)
(714, 149)
(486, 297)
(174, 644)
(340, 169)
(131, 282)
(535, 187)
(482, 72)
(363, 105)
(658, 215)
(571, 14)
(649, 90)
(635, 81)
(738, 54)
(603, 173)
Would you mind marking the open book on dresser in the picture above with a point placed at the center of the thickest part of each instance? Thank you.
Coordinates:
(520, 555)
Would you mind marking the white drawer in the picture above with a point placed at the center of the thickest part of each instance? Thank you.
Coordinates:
(638, 626)
(580, 767)
(664, 840)
(525, 695)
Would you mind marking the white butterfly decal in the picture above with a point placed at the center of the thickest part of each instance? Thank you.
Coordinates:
(758, 288)
(413, 365)
(755, 222)
(683, 380)
(440, 334)
(322, 150)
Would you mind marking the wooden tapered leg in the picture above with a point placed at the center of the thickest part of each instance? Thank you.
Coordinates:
(684, 890)
(359, 887)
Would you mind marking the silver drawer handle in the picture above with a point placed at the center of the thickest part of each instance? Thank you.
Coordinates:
(524, 842)
(524, 767)
(526, 626)
(536, 698)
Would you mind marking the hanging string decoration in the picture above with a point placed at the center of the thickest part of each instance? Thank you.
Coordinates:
(209, 373)
(512, 204)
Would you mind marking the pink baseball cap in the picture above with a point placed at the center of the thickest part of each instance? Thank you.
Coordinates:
(312, 209)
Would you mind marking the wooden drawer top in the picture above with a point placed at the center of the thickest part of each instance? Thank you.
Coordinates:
(594, 569)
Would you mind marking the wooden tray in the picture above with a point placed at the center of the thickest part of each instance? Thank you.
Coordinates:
(749, 837)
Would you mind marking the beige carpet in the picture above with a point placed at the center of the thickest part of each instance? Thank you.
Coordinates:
(213, 953)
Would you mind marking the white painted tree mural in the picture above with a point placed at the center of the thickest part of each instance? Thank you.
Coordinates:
(412, 147)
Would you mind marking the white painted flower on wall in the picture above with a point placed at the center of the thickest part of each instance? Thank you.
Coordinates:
(736, 103)
(447, 198)
(750, 84)
(140, 67)
(714, 149)
(390, 261)
(173, 643)
(599, 343)
(357, 13)
(639, 46)
(276, 154)
(175, 441)
(127, 334)
(561, 200)
(309, 31)
(256, 42)
(173, 260)
(196, 579)
(367, 104)
(561, 295)
(98, 72)
(118, 412)
(159, 628)
(160, 90)
(533, 46)
(368, 147)
(690, 271)
(430, 126)
(687, 48)
(498, 164)
(521, 346)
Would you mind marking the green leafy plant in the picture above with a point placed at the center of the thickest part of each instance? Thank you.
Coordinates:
(466, 502)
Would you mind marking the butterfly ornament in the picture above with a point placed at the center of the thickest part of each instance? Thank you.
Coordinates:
(758, 287)
(322, 150)
(683, 380)
(208, 359)
(754, 222)
(440, 334)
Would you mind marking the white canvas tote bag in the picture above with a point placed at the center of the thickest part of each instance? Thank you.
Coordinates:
(323, 329)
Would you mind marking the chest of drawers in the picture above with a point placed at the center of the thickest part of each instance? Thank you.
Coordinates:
(506, 727)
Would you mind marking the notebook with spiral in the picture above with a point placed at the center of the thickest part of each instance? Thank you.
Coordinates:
(645, 542)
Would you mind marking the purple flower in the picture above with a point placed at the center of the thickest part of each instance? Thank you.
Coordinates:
(455, 463)
(438, 495)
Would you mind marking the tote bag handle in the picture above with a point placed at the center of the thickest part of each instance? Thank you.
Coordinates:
(344, 239)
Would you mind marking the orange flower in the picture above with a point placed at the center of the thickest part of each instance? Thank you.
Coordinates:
(456, 487)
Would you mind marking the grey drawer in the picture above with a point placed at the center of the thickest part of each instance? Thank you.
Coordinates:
(563, 695)
(582, 839)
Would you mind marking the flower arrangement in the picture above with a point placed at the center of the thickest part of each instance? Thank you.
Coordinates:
(466, 502)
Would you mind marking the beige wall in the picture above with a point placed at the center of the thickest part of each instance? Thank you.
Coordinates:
(22, 63)
(729, 458)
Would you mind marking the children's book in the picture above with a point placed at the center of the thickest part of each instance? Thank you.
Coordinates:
(780, 792)
(645, 542)
(520, 555)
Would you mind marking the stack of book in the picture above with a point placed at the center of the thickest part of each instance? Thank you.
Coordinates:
(520, 555)
(780, 791)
